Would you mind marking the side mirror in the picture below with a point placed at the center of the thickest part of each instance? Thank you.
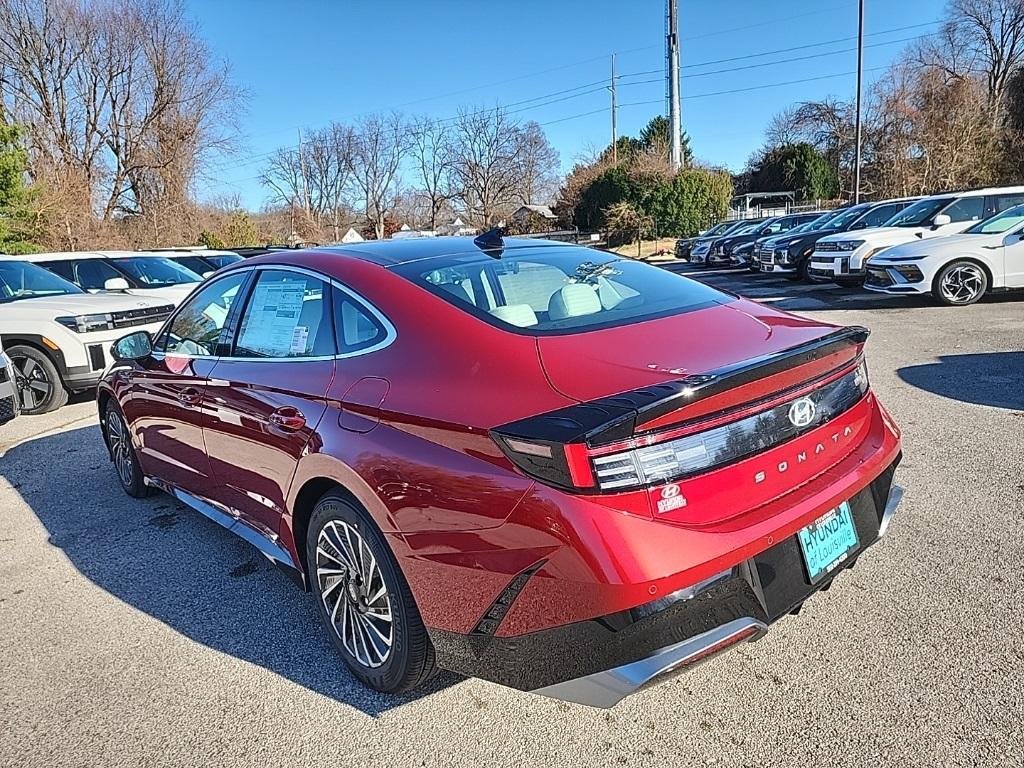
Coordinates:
(134, 346)
(941, 220)
(115, 284)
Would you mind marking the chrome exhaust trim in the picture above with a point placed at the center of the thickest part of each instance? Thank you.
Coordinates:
(895, 497)
(606, 689)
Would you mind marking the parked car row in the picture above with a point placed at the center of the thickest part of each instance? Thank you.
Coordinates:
(60, 313)
(955, 246)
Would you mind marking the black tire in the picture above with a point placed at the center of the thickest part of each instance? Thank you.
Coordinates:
(122, 453)
(40, 387)
(800, 275)
(409, 660)
(973, 281)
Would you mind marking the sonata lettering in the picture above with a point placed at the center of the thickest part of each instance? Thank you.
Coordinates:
(819, 448)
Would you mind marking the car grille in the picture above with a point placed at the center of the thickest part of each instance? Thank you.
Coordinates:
(879, 278)
(765, 255)
(8, 409)
(826, 247)
(141, 316)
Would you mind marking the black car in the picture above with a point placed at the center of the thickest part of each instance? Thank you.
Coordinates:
(738, 248)
(684, 245)
(791, 255)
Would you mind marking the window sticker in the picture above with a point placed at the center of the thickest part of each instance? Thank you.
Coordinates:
(299, 337)
(273, 318)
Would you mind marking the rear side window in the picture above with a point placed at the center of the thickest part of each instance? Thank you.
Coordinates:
(560, 290)
(880, 215)
(357, 328)
(286, 316)
(967, 209)
(1005, 202)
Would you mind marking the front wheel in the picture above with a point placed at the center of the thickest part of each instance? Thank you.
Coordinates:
(960, 283)
(364, 600)
(40, 388)
(122, 453)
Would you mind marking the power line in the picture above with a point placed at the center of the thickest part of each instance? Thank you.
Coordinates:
(585, 89)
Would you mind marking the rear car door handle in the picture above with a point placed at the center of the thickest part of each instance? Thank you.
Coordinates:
(288, 418)
(190, 396)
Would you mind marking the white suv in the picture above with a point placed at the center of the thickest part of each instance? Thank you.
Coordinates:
(958, 269)
(138, 273)
(57, 336)
(842, 258)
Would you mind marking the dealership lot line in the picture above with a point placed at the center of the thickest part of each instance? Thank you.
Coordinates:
(140, 633)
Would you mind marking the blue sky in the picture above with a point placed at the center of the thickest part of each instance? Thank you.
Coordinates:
(305, 63)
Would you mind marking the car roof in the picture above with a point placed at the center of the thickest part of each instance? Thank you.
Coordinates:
(391, 253)
(73, 255)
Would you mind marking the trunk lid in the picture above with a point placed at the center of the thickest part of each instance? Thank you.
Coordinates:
(589, 366)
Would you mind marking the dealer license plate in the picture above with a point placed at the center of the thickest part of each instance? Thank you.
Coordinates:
(828, 541)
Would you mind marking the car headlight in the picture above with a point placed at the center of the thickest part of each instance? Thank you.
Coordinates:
(849, 245)
(86, 323)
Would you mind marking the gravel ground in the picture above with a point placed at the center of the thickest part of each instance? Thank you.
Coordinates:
(139, 633)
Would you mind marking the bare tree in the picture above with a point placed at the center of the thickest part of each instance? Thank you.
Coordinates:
(539, 165)
(488, 160)
(379, 144)
(981, 38)
(123, 100)
(431, 155)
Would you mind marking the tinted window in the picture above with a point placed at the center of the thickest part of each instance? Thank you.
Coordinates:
(560, 290)
(356, 326)
(918, 214)
(847, 216)
(1000, 223)
(21, 280)
(222, 260)
(62, 268)
(92, 274)
(156, 271)
(878, 216)
(286, 316)
(1003, 202)
(197, 327)
(194, 263)
(967, 209)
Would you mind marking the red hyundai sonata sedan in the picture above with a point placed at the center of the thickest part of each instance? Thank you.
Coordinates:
(535, 463)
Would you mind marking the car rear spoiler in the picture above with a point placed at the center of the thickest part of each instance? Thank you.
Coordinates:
(616, 417)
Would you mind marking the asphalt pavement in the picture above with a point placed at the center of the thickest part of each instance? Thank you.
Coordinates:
(139, 633)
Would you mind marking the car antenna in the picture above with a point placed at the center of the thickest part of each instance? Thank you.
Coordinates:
(491, 242)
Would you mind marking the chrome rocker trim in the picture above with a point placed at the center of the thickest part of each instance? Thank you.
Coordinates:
(269, 548)
(606, 689)
(895, 497)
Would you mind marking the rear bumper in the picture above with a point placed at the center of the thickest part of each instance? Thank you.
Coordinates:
(599, 661)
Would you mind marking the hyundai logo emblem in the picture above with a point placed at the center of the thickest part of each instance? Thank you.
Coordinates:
(802, 412)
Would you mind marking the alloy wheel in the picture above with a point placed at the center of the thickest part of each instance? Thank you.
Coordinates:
(120, 448)
(354, 593)
(962, 284)
(34, 385)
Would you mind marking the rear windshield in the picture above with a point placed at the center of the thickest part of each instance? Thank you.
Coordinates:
(546, 291)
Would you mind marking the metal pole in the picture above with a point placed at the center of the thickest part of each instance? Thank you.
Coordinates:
(860, 81)
(615, 138)
(675, 118)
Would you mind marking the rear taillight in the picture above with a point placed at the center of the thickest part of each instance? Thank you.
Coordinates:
(682, 451)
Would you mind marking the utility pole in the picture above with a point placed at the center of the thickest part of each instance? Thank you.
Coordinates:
(615, 107)
(860, 81)
(305, 178)
(675, 118)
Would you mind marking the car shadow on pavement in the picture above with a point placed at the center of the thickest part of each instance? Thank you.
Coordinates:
(175, 565)
(992, 378)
